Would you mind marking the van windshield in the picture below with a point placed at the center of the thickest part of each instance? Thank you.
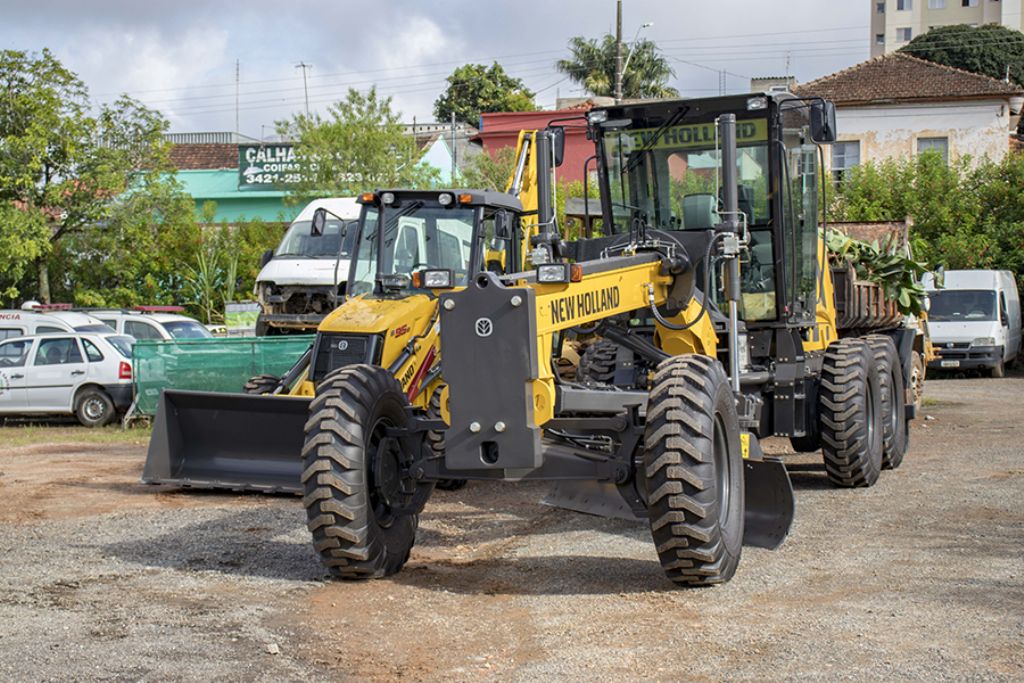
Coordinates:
(299, 243)
(962, 305)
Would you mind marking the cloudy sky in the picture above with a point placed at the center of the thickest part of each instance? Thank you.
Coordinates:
(180, 57)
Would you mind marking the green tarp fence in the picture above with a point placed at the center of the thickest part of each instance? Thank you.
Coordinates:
(209, 364)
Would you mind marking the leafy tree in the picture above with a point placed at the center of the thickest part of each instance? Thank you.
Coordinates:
(359, 145)
(592, 65)
(59, 165)
(488, 171)
(475, 88)
(964, 216)
(986, 50)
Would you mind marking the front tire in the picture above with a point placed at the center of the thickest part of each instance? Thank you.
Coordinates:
(435, 439)
(597, 364)
(94, 408)
(999, 369)
(693, 471)
(361, 502)
(850, 410)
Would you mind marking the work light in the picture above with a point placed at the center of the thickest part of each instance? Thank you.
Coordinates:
(438, 279)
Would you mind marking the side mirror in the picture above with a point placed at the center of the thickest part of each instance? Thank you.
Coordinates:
(316, 226)
(265, 259)
(502, 225)
(558, 144)
(823, 122)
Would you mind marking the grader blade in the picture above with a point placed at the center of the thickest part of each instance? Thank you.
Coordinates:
(237, 442)
(769, 503)
(591, 497)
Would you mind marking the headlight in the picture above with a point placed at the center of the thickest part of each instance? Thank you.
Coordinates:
(551, 273)
(438, 279)
(756, 103)
(597, 116)
(984, 341)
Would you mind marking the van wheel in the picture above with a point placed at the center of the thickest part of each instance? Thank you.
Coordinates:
(999, 370)
(93, 408)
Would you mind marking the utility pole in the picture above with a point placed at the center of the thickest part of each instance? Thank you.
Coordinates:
(305, 88)
(618, 52)
(237, 68)
(454, 169)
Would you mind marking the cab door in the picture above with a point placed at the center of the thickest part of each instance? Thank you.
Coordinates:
(14, 356)
(56, 370)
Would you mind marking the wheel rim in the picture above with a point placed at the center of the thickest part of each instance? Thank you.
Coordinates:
(93, 409)
(386, 473)
(722, 470)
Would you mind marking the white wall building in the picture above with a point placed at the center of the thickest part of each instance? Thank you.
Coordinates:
(896, 106)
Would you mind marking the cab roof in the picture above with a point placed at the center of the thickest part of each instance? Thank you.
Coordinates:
(490, 198)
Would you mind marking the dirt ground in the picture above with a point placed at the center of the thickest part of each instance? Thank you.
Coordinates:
(921, 576)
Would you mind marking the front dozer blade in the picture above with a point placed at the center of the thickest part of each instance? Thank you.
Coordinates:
(238, 442)
(769, 503)
(591, 497)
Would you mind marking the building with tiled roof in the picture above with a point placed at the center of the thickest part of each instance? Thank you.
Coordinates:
(896, 106)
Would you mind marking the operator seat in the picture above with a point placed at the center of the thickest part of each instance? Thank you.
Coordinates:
(700, 212)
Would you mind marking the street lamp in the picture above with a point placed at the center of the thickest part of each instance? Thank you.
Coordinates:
(633, 45)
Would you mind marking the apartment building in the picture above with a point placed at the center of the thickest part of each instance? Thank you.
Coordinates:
(894, 23)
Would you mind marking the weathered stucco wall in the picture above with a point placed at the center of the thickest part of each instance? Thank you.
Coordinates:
(975, 129)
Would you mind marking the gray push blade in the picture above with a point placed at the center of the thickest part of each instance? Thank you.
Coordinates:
(227, 441)
(769, 503)
(592, 497)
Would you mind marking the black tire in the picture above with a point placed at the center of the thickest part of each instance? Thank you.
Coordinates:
(894, 412)
(998, 370)
(850, 411)
(262, 384)
(361, 504)
(94, 408)
(693, 471)
(917, 377)
(435, 439)
(597, 364)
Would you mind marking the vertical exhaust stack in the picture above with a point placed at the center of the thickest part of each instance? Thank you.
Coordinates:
(730, 241)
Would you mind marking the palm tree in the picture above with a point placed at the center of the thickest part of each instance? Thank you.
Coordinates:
(593, 66)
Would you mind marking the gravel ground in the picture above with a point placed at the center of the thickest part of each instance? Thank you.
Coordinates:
(921, 576)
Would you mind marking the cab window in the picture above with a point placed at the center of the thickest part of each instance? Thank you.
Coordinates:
(497, 255)
(61, 351)
(14, 353)
(91, 352)
(141, 330)
(47, 329)
(8, 332)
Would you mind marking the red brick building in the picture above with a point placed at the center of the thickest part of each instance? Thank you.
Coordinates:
(501, 129)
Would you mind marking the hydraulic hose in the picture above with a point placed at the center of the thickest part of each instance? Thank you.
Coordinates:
(708, 264)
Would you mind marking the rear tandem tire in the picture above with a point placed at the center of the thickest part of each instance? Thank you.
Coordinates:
(261, 384)
(850, 411)
(358, 492)
(894, 412)
(693, 471)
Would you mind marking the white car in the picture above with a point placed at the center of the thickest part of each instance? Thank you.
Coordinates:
(153, 324)
(88, 375)
(21, 323)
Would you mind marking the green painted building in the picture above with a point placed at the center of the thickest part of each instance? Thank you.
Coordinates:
(246, 179)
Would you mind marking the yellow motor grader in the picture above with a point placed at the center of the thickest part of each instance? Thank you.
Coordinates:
(711, 318)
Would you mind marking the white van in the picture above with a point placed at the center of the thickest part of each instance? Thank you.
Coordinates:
(974, 320)
(24, 323)
(300, 280)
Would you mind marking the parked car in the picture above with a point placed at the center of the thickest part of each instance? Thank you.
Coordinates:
(88, 375)
(974, 320)
(20, 323)
(153, 322)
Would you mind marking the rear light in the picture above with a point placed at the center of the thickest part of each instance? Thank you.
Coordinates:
(124, 370)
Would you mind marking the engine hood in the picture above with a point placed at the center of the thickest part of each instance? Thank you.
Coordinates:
(361, 315)
(942, 332)
(288, 271)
